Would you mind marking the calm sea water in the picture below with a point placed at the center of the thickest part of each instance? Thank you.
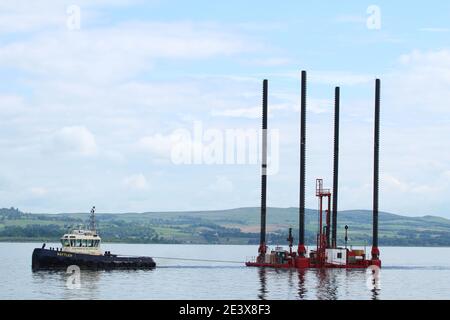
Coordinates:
(408, 273)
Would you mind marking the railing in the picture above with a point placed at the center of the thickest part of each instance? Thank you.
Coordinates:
(320, 190)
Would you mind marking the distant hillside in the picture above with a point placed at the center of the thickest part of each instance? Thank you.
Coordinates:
(235, 226)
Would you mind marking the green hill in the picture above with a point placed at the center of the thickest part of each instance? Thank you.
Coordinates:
(234, 226)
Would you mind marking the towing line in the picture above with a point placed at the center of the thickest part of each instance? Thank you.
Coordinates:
(191, 259)
(199, 260)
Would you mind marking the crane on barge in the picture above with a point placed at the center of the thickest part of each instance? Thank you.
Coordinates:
(327, 254)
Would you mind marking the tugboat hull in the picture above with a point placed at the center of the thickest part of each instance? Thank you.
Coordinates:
(44, 259)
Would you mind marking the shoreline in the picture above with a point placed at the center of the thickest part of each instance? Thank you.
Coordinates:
(210, 244)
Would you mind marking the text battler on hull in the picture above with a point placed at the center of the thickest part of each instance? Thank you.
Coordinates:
(82, 248)
(326, 254)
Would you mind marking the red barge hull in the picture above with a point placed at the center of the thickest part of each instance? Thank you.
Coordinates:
(307, 265)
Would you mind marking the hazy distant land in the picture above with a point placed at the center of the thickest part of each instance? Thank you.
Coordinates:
(235, 226)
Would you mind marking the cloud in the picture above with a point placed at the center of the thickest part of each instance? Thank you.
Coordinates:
(23, 16)
(416, 115)
(158, 144)
(331, 77)
(136, 182)
(316, 105)
(251, 113)
(134, 82)
(434, 29)
(285, 104)
(346, 18)
(222, 184)
(428, 60)
(286, 101)
(420, 83)
(11, 105)
(75, 140)
(111, 54)
(39, 191)
(339, 78)
(270, 62)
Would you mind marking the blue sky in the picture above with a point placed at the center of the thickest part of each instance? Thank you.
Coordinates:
(88, 111)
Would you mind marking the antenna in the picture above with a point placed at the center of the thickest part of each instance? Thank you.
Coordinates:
(92, 220)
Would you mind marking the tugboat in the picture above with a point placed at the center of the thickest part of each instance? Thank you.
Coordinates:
(82, 248)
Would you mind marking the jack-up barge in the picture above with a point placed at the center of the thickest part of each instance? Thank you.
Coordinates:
(326, 254)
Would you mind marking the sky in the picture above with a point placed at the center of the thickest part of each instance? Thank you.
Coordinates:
(99, 98)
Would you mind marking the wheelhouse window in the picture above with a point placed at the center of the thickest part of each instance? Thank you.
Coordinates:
(83, 243)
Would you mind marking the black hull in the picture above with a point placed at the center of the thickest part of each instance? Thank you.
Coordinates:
(44, 259)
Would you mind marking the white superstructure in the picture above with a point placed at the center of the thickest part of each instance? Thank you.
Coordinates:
(83, 241)
(336, 256)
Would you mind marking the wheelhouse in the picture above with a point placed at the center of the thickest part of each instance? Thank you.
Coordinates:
(81, 241)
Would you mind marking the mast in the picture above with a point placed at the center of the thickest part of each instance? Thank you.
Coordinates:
(301, 235)
(92, 220)
(262, 242)
(337, 96)
(375, 250)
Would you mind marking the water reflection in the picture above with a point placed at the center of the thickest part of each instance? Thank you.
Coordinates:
(302, 291)
(327, 286)
(375, 294)
(373, 282)
(89, 284)
(263, 284)
(317, 284)
(71, 285)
